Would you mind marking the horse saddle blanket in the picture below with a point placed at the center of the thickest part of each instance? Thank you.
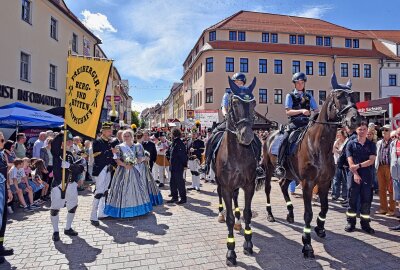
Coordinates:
(294, 141)
(215, 144)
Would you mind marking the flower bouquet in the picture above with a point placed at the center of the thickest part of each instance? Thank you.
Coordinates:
(129, 159)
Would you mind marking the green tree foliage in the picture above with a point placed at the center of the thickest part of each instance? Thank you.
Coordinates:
(135, 118)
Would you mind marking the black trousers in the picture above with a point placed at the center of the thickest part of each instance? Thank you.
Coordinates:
(4, 217)
(360, 194)
(177, 185)
(294, 123)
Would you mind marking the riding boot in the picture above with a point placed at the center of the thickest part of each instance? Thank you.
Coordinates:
(279, 169)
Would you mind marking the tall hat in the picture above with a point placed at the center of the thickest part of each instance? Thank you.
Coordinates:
(106, 126)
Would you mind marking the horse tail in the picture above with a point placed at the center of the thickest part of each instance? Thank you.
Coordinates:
(260, 181)
(266, 162)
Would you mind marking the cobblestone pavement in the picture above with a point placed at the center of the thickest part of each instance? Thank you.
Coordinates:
(189, 237)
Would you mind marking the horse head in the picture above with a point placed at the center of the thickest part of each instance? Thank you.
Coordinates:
(241, 111)
(343, 105)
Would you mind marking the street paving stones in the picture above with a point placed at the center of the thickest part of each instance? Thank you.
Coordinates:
(189, 237)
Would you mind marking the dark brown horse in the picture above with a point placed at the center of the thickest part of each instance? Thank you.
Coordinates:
(312, 163)
(235, 164)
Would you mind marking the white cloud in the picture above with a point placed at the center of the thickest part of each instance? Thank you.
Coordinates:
(97, 22)
(316, 12)
(154, 37)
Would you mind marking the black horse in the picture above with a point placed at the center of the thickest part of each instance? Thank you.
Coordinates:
(235, 163)
(312, 163)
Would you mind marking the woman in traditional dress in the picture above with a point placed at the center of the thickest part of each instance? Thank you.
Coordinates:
(128, 195)
(144, 170)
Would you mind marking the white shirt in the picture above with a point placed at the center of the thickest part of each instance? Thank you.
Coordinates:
(162, 148)
(16, 174)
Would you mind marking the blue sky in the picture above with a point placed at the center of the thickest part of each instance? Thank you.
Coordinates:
(150, 39)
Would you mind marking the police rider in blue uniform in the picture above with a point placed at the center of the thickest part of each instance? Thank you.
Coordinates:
(240, 80)
(298, 106)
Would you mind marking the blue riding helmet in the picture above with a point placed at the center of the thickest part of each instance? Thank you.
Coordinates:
(239, 77)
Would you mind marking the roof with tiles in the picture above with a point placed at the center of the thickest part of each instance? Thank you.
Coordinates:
(388, 54)
(390, 35)
(300, 49)
(267, 22)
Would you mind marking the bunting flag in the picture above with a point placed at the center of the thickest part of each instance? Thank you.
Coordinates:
(86, 86)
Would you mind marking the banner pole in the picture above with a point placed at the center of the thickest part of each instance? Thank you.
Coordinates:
(65, 134)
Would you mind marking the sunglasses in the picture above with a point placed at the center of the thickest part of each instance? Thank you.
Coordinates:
(2, 140)
(386, 130)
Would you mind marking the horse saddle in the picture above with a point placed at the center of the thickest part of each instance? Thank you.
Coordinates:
(294, 140)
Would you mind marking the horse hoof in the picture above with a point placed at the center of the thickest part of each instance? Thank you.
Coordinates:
(308, 252)
(248, 251)
(231, 262)
(221, 219)
(290, 219)
(231, 258)
(237, 226)
(320, 232)
(271, 218)
(248, 248)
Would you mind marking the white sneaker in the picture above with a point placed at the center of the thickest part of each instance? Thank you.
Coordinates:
(9, 209)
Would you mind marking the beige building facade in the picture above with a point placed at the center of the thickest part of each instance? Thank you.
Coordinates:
(33, 67)
(263, 46)
(37, 36)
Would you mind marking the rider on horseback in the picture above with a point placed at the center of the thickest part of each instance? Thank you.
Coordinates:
(240, 80)
(298, 105)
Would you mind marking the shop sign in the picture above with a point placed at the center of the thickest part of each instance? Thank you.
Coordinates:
(8, 92)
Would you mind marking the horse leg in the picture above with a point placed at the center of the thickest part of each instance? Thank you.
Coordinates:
(308, 250)
(230, 220)
(248, 196)
(323, 197)
(284, 187)
(270, 217)
(238, 224)
(221, 217)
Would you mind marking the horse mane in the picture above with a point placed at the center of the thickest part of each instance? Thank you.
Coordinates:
(323, 114)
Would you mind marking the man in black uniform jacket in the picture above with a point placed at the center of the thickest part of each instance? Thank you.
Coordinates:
(150, 147)
(73, 169)
(103, 159)
(178, 160)
(196, 146)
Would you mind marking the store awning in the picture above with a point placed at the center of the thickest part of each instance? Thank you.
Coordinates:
(19, 115)
(373, 113)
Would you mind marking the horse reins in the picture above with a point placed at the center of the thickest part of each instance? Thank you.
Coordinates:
(339, 114)
(232, 117)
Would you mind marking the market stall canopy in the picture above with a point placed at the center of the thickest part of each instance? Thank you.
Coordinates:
(16, 115)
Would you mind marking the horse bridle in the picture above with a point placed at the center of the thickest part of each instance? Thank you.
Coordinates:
(231, 116)
(339, 114)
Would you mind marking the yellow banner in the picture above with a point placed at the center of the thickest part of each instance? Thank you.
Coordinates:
(86, 86)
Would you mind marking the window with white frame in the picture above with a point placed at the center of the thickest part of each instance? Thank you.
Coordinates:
(25, 67)
(53, 28)
(26, 11)
(75, 43)
(53, 77)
